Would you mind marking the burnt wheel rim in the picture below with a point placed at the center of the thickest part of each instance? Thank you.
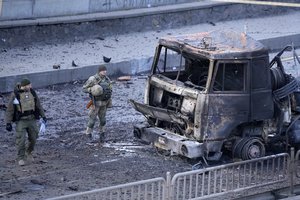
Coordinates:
(253, 148)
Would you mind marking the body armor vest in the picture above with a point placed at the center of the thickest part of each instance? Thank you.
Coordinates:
(27, 102)
(26, 105)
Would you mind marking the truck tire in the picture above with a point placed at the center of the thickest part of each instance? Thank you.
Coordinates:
(249, 148)
(253, 148)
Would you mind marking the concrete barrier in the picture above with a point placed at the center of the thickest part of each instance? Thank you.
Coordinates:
(43, 79)
(26, 9)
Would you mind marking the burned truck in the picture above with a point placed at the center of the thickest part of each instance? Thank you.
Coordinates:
(218, 91)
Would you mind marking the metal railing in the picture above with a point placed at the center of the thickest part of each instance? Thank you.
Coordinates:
(203, 183)
(296, 164)
(232, 177)
(151, 189)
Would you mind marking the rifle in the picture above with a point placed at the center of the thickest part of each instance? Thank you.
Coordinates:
(91, 102)
(88, 105)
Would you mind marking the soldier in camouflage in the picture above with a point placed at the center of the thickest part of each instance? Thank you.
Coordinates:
(24, 108)
(99, 88)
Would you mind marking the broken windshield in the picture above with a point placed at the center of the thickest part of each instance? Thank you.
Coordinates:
(169, 61)
(192, 71)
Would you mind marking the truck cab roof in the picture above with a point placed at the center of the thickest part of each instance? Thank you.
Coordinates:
(216, 45)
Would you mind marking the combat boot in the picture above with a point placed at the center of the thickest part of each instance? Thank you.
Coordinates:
(92, 138)
(29, 157)
(88, 132)
(101, 129)
(102, 134)
(102, 137)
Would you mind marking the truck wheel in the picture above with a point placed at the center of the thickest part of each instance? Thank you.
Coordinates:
(237, 147)
(248, 148)
(253, 148)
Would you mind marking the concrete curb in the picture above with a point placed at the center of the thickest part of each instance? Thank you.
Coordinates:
(130, 67)
(58, 76)
(276, 194)
(278, 43)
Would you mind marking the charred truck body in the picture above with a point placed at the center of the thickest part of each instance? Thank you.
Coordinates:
(217, 90)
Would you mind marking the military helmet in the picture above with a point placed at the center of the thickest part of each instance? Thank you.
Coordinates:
(102, 68)
(25, 82)
(96, 90)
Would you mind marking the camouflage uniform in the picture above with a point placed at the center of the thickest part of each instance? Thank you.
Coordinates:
(100, 103)
(24, 114)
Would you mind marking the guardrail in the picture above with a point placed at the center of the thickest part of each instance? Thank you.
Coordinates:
(152, 189)
(232, 177)
(202, 183)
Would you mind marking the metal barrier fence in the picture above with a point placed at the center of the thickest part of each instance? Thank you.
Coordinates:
(199, 184)
(232, 177)
(151, 189)
(297, 160)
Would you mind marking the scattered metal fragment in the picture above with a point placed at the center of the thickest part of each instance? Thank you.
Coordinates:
(74, 64)
(74, 188)
(106, 59)
(124, 78)
(100, 38)
(109, 46)
(211, 23)
(56, 66)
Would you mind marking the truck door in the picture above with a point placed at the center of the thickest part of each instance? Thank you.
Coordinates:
(229, 99)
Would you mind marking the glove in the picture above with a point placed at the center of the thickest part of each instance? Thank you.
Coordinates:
(9, 127)
(45, 120)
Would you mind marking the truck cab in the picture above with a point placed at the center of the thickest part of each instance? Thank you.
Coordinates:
(209, 91)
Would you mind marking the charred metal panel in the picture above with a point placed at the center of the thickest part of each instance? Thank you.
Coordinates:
(188, 106)
(147, 91)
(160, 113)
(176, 87)
(262, 105)
(200, 111)
(175, 143)
(213, 146)
(216, 45)
(157, 95)
(225, 112)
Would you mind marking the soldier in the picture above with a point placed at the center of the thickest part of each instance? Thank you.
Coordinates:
(24, 109)
(100, 89)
